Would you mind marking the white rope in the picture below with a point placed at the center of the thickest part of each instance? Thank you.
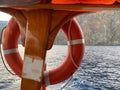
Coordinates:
(66, 83)
(1, 54)
(71, 56)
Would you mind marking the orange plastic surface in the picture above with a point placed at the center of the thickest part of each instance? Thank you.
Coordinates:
(84, 1)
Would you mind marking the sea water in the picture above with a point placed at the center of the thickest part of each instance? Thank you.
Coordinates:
(99, 70)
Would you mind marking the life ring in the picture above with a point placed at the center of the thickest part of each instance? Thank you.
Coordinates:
(10, 46)
(70, 64)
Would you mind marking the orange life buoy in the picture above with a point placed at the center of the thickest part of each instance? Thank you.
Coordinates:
(65, 70)
(10, 47)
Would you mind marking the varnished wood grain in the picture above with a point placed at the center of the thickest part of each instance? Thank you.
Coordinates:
(36, 41)
(73, 7)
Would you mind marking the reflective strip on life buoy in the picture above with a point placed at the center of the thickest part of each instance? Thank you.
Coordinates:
(71, 62)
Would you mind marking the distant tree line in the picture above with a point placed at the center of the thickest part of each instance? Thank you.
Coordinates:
(101, 28)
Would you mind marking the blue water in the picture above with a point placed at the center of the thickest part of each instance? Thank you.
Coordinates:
(78, 84)
(99, 70)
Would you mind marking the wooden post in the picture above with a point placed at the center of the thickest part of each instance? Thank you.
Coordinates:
(38, 26)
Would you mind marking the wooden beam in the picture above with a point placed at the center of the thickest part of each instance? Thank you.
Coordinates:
(20, 18)
(59, 18)
(38, 24)
(71, 6)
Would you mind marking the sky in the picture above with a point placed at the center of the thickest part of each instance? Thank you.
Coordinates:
(4, 16)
